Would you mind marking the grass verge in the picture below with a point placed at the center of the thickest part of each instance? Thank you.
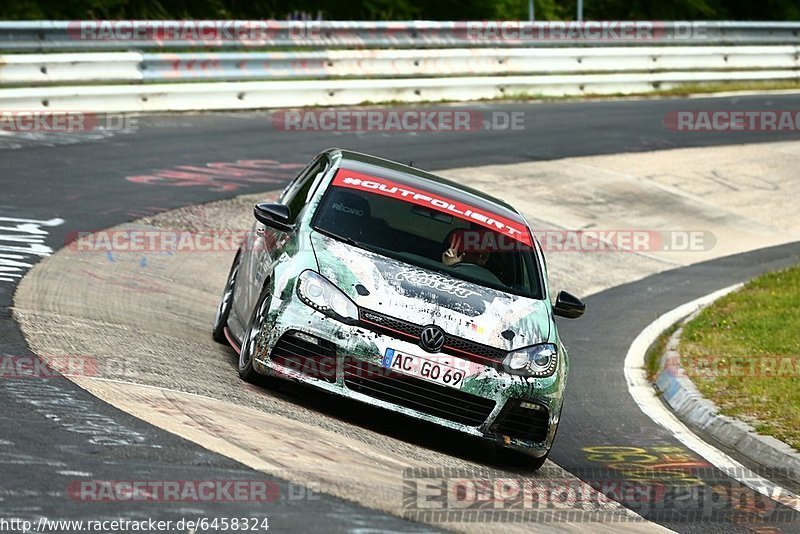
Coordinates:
(652, 360)
(743, 352)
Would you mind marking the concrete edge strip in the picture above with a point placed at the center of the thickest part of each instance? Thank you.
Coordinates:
(681, 394)
(631, 514)
(645, 397)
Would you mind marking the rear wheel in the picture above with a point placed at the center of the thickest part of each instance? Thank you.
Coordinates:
(252, 337)
(226, 302)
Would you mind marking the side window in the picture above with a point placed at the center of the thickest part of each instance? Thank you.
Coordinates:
(296, 195)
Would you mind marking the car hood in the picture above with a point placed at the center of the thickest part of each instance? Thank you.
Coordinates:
(422, 297)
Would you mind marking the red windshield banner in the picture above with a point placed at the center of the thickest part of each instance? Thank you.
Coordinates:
(388, 188)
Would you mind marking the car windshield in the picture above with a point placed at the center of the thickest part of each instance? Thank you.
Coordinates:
(460, 242)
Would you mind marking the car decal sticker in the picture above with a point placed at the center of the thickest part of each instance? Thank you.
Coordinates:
(381, 186)
(387, 358)
(448, 292)
(480, 317)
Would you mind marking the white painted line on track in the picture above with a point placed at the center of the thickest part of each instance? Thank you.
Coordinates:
(140, 385)
(644, 395)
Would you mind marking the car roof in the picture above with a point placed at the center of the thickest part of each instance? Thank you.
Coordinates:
(412, 176)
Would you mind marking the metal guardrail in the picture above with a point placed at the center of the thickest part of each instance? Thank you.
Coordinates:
(137, 67)
(286, 64)
(283, 94)
(51, 36)
(458, 62)
(38, 69)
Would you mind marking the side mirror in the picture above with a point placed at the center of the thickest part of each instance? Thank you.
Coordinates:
(568, 305)
(273, 215)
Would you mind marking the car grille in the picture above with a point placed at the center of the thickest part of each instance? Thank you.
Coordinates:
(519, 422)
(420, 395)
(307, 358)
(456, 346)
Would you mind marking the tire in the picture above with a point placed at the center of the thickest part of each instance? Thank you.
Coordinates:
(519, 459)
(226, 303)
(252, 336)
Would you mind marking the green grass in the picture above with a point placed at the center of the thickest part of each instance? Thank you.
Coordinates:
(752, 338)
(679, 91)
(693, 89)
(652, 360)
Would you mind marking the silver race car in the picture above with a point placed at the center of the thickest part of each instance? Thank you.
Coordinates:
(401, 289)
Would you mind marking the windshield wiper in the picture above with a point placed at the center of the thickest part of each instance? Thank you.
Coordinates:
(349, 240)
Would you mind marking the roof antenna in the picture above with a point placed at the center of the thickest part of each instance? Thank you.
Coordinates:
(411, 163)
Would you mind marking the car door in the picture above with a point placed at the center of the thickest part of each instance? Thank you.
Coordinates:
(266, 244)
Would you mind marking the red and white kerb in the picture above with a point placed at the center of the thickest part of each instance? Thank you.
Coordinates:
(388, 188)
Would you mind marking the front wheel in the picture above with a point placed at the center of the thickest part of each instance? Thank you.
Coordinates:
(519, 459)
(252, 337)
(226, 303)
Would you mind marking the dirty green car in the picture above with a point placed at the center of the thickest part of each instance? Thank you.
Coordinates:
(401, 289)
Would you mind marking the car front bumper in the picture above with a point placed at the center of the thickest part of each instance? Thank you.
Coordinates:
(305, 345)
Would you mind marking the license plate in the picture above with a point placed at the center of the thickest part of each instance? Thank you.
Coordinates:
(423, 368)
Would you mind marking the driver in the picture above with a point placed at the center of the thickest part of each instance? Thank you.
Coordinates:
(451, 257)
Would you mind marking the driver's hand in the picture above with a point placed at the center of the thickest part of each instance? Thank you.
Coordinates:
(450, 258)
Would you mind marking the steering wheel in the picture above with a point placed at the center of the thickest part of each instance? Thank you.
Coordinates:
(467, 263)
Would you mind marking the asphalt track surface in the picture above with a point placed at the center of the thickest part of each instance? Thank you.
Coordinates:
(53, 431)
(600, 413)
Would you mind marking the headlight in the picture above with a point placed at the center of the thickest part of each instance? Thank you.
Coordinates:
(538, 360)
(316, 291)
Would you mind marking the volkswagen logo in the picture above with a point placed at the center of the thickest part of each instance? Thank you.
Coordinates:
(431, 338)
